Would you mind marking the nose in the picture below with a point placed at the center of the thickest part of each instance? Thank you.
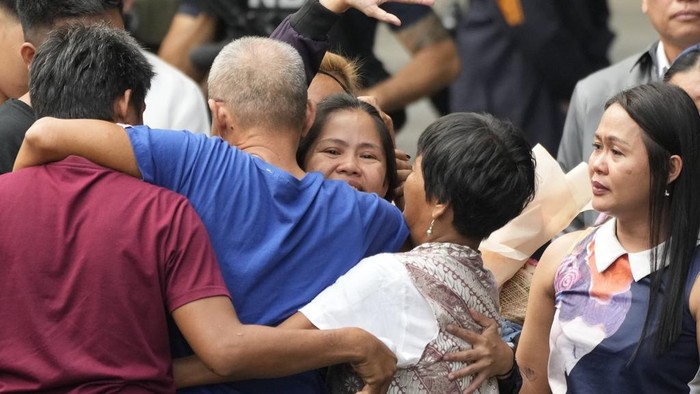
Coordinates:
(597, 162)
(348, 165)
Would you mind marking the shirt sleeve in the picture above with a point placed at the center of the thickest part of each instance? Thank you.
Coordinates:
(378, 296)
(385, 225)
(191, 269)
(178, 160)
(307, 31)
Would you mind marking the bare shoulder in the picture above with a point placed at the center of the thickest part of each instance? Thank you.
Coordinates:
(550, 260)
(694, 301)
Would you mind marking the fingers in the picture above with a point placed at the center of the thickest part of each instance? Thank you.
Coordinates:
(470, 336)
(482, 320)
(404, 158)
(476, 383)
(381, 15)
(388, 122)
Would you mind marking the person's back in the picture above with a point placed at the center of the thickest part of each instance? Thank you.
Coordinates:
(90, 271)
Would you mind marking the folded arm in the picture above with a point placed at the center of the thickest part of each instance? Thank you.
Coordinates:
(52, 139)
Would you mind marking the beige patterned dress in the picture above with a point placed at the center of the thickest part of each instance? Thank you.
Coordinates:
(452, 279)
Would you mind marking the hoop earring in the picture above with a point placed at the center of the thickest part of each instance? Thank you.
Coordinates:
(429, 233)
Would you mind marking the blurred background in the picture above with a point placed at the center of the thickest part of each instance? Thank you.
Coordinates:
(149, 21)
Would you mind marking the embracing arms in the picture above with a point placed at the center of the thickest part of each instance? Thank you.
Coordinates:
(237, 351)
(104, 143)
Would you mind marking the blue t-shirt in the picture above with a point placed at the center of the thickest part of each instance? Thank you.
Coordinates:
(279, 240)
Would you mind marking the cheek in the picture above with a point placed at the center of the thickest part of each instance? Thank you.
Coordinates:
(317, 162)
(375, 174)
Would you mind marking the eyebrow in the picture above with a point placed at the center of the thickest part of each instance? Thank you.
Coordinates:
(613, 139)
(338, 141)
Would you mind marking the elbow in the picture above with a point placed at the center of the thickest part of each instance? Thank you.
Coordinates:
(225, 358)
(36, 145)
(38, 136)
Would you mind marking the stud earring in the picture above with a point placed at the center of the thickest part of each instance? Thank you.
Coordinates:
(430, 228)
(666, 193)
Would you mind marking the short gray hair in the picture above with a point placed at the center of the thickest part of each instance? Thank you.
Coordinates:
(261, 81)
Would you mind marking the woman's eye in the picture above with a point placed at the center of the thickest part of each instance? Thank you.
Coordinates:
(597, 146)
(369, 156)
(616, 152)
(332, 151)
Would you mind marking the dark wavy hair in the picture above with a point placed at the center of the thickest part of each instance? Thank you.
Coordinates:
(671, 126)
(482, 166)
(80, 70)
(342, 102)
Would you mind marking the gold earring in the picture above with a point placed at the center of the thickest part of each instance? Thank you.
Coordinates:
(429, 233)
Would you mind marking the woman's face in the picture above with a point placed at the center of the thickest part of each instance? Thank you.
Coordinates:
(417, 210)
(349, 149)
(690, 82)
(619, 166)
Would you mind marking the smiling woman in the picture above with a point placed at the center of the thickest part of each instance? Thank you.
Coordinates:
(350, 142)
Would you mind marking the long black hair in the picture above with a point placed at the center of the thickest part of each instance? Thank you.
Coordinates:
(671, 126)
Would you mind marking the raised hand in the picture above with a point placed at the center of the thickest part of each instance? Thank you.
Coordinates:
(370, 8)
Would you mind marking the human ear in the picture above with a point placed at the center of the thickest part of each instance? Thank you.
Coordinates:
(675, 166)
(27, 51)
(310, 116)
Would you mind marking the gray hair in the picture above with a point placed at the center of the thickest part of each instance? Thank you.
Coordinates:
(261, 81)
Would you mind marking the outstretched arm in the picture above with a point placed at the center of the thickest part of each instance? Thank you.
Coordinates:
(52, 139)
(244, 351)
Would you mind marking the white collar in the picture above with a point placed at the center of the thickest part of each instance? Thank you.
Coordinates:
(608, 249)
(661, 60)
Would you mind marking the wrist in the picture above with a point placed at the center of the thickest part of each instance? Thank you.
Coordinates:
(514, 364)
(336, 6)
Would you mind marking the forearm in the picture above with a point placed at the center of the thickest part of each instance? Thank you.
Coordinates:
(429, 70)
(51, 139)
(252, 352)
(307, 29)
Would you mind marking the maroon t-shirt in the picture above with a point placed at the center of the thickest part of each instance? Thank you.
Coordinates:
(91, 263)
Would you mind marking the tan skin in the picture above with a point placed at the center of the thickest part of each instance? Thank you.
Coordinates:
(619, 162)
(13, 83)
(676, 21)
(690, 82)
(349, 149)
